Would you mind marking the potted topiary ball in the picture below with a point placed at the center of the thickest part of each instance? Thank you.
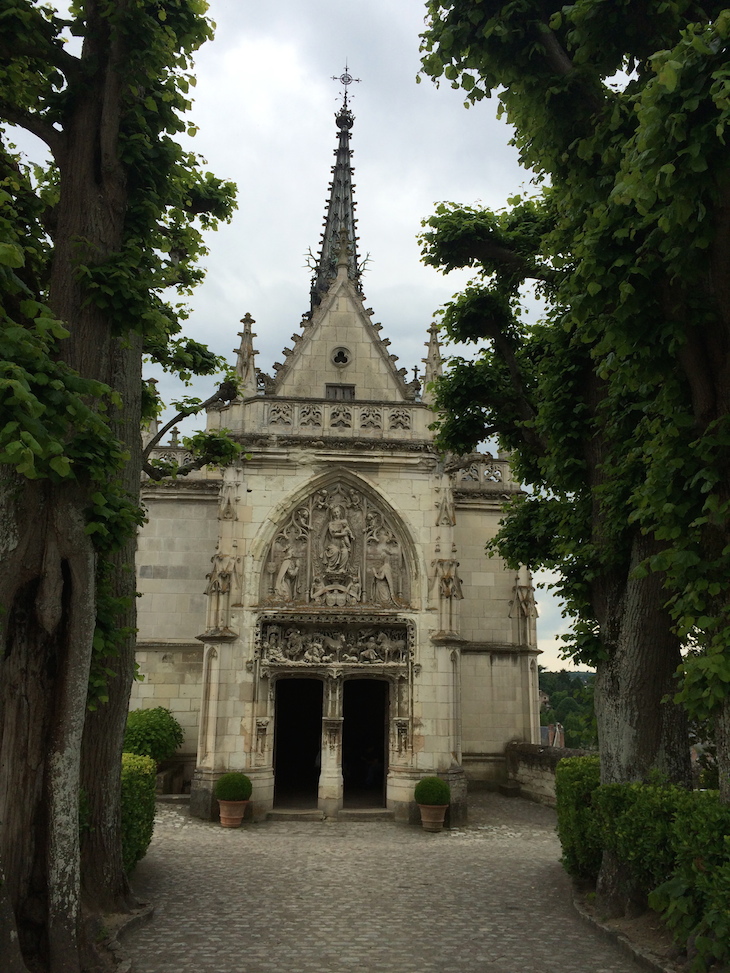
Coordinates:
(232, 791)
(432, 796)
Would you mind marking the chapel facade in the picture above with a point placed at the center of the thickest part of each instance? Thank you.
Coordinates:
(321, 614)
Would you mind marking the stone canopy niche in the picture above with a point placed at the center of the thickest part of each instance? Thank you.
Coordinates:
(338, 549)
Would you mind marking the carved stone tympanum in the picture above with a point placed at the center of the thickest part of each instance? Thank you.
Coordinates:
(338, 549)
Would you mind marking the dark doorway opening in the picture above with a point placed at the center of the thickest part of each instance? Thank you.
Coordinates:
(365, 742)
(297, 742)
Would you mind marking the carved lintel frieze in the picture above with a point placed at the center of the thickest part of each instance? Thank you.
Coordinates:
(311, 642)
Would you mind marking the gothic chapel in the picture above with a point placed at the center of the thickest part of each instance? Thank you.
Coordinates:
(322, 615)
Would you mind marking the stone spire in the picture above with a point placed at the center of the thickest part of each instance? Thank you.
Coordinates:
(245, 358)
(433, 363)
(340, 222)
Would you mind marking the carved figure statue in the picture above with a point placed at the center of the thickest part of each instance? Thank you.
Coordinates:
(294, 644)
(383, 584)
(286, 580)
(220, 579)
(338, 544)
(314, 652)
(370, 651)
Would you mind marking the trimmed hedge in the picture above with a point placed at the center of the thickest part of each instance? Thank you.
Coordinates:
(153, 733)
(576, 779)
(694, 901)
(138, 807)
(636, 823)
(675, 843)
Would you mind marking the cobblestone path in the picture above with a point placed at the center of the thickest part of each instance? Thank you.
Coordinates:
(331, 897)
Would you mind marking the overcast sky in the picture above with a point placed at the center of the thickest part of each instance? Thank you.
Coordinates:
(265, 103)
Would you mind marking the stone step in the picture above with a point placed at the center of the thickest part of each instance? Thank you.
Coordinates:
(365, 814)
(295, 814)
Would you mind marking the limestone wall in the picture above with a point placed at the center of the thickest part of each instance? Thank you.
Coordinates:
(172, 677)
(173, 557)
(533, 768)
(487, 586)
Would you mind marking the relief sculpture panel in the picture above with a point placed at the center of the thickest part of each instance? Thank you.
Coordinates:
(316, 643)
(338, 549)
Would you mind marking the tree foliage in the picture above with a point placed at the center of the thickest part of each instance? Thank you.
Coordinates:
(617, 405)
(570, 703)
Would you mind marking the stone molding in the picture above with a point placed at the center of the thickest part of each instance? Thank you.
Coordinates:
(262, 441)
(159, 645)
(499, 648)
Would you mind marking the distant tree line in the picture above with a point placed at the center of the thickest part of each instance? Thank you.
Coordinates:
(570, 703)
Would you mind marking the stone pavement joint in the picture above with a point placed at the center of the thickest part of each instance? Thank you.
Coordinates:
(376, 897)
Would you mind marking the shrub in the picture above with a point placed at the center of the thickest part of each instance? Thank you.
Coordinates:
(694, 901)
(152, 733)
(432, 790)
(676, 844)
(138, 807)
(233, 786)
(579, 825)
(637, 822)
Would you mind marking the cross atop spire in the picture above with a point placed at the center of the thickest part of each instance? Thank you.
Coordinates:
(345, 80)
(340, 214)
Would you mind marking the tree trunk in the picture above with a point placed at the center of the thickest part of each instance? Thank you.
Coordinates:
(640, 730)
(72, 587)
(105, 884)
(48, 583)
(47, 573)
(722, 743)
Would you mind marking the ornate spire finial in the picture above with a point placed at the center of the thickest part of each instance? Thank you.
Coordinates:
(433, 363)
(340, 215)
(245, 358)
(345, 80)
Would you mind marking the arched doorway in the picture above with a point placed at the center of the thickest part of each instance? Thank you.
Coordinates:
(297, 742)
(365, 742)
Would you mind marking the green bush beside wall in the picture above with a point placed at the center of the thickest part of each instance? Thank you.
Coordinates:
(676, 844)
(636, 823)
(138, 807)
(153, 733)
(576, 778)
(695, 900)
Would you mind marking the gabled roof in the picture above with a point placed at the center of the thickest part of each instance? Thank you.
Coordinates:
(340, 346)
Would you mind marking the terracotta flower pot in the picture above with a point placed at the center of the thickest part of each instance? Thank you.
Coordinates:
(232, 813)
(432, 816)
